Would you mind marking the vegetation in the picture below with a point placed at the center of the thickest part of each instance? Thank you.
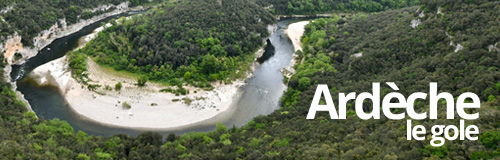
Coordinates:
(125, 105)
(288, 7)
(141, 81)
(175, 44)
(118, 86)
(349, 55)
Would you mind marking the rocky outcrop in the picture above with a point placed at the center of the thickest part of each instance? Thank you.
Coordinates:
(7, 69)
(358, 55)
(11, 46)
(103, 8)
(7, 9)
(416, 22)
(493, 47)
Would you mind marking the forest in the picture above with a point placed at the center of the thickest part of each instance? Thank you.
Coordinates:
(289, 7)
(343, 53)
(175, 44)
(30, 17)
(348, 54)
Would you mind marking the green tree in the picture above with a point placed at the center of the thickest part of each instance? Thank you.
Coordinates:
(304, 83)
(290, 7)
(490, 139)
(82, 156)
(187, 76)
(220, 127)
(209, 64)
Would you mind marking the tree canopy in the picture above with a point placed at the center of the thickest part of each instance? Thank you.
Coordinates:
(209, 43)
(287, 7)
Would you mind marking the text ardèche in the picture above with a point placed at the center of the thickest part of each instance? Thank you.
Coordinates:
(405, 103)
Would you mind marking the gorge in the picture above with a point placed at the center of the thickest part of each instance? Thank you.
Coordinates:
(258, 96)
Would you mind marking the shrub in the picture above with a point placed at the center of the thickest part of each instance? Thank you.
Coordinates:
(118, 86)
(108, 88)
(125, 105)
(142, 81)
(304, 83)
(491, 98)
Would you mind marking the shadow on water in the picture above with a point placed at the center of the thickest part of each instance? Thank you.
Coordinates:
(268, 53)
(260, 96)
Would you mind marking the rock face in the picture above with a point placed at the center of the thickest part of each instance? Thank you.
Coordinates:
(7, 9)
(459, 47)
(357, 55)
(493, 47)
(415, 23)
(13, 44)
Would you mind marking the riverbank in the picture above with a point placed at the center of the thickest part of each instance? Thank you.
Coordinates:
(149, 108)
(294, 32)
(327, 15)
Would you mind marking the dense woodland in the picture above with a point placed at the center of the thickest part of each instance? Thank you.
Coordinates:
(392, 51)
(30, 17)
(175, 43)
(288, 7)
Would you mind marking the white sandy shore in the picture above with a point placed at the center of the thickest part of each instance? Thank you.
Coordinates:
(105, 106)
(294, 32)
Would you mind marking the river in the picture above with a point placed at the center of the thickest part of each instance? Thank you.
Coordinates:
(260, 96)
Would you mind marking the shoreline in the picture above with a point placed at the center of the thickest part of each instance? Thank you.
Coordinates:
(326, 15)
(294, 32)
(106, 106)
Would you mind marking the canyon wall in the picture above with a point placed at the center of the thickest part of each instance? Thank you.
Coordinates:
(12, 44)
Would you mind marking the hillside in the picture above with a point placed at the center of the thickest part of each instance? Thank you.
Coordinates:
(175, 44)
(455, 45)
(289, 7)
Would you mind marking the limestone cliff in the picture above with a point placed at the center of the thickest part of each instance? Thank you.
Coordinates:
(12, 44)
